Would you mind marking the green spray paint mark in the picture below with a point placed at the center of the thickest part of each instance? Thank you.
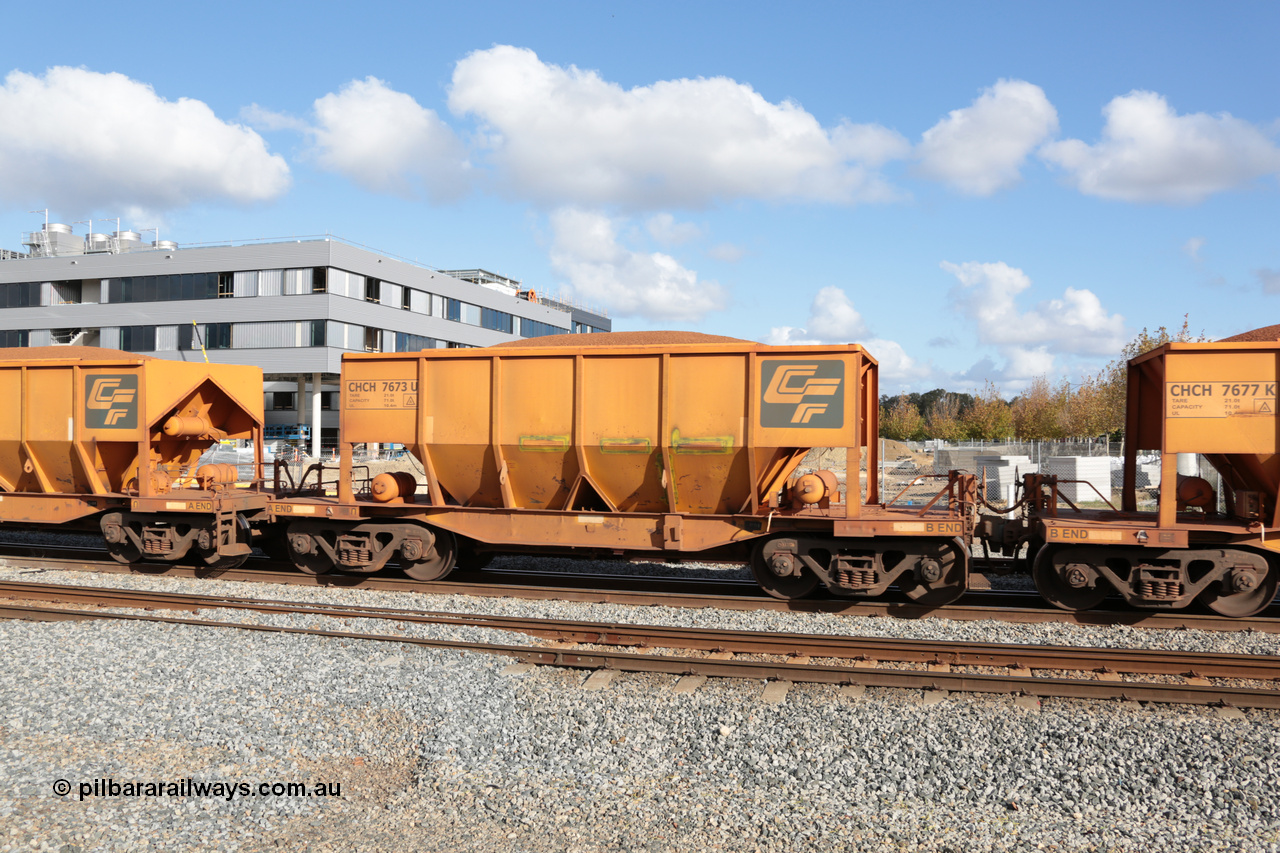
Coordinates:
(625, 445)
(544, 443)
(703, 445)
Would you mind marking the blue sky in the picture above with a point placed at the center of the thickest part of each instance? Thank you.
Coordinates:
(975, 192)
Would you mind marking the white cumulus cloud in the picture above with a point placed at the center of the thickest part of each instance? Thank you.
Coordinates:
(832, 319)
(1076, 323)
(664, 228)
(1149, 153)
(896, 367)
(386, 141)
(81, 141)
(980, 149)
(601, 271)
(1192, 248)
(568, 136)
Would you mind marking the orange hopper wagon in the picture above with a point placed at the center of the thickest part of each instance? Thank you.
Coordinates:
(100, 437)
(657, 445)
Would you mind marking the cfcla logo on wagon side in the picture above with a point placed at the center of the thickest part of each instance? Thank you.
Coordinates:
(111, 401)
(808, 394)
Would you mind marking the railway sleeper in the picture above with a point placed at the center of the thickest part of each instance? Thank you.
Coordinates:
(1231, 581)
(132, 536)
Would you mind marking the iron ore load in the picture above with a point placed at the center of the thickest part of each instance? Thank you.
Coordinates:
(602, 445)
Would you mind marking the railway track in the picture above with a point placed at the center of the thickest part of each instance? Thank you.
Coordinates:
(951, 665)
(729, 594)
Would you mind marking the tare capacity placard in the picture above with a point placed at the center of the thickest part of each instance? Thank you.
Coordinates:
(381, 394)
(1219, 399)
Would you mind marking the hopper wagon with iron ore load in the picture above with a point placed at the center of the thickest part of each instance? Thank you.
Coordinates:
(109, 440)
(678, 447)
(1218, 400)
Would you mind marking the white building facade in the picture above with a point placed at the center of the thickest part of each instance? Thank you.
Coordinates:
(292, 308)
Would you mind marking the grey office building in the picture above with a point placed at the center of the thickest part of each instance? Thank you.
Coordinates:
(290, 307)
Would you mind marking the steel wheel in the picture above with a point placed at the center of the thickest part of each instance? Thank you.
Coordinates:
(119, 545)
(1244, 602)
(124, 552)
(943, 578)
(437, 558)
(785, 587)
(307, 556)
(1055, 588)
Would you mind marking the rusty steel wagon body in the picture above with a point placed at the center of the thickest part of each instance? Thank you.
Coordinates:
(101, 438)
(1214, 399)
(674, 451)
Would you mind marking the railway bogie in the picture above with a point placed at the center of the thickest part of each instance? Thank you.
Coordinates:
(319, 547)
(1230, 581)
(930, 571)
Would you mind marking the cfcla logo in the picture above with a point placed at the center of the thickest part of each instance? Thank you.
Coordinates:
(792, 384)
(112, 402)
(790, 388)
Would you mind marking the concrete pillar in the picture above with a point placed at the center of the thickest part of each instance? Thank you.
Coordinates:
(298, 404)
(315, 415)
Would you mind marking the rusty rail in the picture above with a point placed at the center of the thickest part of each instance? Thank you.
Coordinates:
(1018, 659)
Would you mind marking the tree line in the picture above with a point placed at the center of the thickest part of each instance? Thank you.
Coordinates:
(1091, 407)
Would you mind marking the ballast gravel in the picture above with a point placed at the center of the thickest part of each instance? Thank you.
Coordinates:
(438, 750)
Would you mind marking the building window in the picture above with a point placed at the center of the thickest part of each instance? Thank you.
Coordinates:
(226, 285)
(406, 301)
(281, 400)
(21, 295)
(13, 338)
(217, 336)
(326, 401)
(317, 333)
(163, 288)
(319, 280)
(372, 339)
(138, 338)
(372, 290)
(64, 336)
(412, 343)
(498, 321)
(534, 329)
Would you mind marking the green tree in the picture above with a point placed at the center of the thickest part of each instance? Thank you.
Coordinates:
(900, 420)
(1037, 411)
(944, 418)
(989, 418)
